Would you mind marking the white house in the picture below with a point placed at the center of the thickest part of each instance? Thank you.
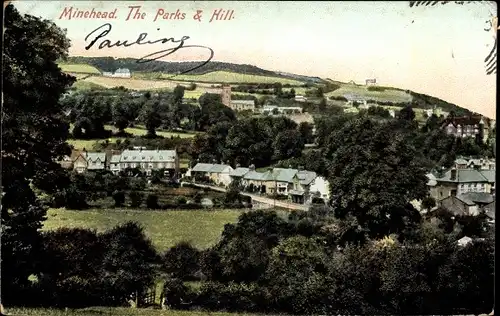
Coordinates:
(122, 73)
(148, 160)
(95, 161)
(300, 98)
(115, 164)
(219, 173)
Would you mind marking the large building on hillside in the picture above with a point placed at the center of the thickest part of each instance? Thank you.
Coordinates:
(467, 126)
(148, 160)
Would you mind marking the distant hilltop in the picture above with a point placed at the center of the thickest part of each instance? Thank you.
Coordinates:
(110, 64)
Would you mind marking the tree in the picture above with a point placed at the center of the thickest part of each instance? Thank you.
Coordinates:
(178, 94)
(152, 117)
(70, 268)
(374, 173)
(406, 114)
(33, 137)
(306, 130)
(129, 262)
(288, 144)
(322, 105)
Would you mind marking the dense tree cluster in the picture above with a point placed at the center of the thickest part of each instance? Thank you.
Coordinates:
(258, 141)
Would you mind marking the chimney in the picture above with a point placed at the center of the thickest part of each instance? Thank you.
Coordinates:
(270, 169)
(238, 165)
(453, 175)
(301, 168)
(251, 167)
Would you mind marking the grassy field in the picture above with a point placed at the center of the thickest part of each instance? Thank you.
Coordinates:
(136, 131)
(389, 94)
(79, 68)
(232, 77)
(86, 85)
(165, 228)
(109, 311)
(131, 83)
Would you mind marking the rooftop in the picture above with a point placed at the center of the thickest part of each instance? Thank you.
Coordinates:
(147, 155)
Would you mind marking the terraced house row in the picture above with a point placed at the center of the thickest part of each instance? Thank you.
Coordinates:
(116, 161)
(301, 186)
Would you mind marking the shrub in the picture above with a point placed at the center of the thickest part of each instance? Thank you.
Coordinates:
(181, 200)
(197, 198)
(152, 201)
(119, 197)
(136, 198)
(176, 294)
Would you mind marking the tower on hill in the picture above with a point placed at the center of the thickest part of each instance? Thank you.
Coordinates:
(226, 95)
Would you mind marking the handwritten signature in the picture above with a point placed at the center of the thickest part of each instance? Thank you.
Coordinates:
(106, 43)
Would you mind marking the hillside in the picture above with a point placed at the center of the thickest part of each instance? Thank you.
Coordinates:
(111, 64)
(155, 74)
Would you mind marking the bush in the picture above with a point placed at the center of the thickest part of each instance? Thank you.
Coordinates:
(176, 294)
(182, 261)
(119, 197)
(181, 200)
(152, 201)
(197, 198)
(136, 198)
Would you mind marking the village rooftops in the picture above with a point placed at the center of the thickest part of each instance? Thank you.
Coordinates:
(202, 167)
(218, 168)
(464, 120)
(239, 172)
(467, 175)
(115, 158)
(471, 198)
(306, 177)
(254, 175)
(148, 155)
(284, 175)
(94, 157)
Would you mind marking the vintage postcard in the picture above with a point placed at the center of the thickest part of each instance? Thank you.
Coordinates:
(248, 157)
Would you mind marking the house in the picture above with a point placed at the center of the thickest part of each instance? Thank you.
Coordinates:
(200, 170)
(300, 191)
(122, 73)
(464, 241)
(371, 82)
(238, 173)
(467, 126)
(114, 165)
(80, 163)
(271, 109)
(458, 181)
(67, 162)
(257, 181)
(300, 98)
(219, 174)
(353, 99)
(489, 211)
(242, 105)
(95, 161)
(283, 179)
(471, 203)
(148, 160)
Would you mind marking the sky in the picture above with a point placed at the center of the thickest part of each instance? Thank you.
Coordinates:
(437, 50)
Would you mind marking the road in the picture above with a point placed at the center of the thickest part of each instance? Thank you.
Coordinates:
(258, 198)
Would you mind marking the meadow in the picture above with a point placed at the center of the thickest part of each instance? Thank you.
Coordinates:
(79, 68)
(111, 311)
(232, 77)
(131, 83)
(165, 228)
(135, 131)
(392, 95)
